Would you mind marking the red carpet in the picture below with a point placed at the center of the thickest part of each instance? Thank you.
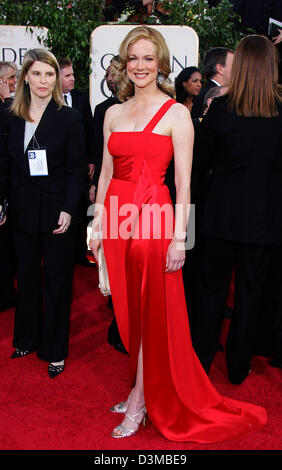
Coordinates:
(71, 412)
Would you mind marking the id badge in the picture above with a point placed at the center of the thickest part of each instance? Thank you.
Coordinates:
(37, 159)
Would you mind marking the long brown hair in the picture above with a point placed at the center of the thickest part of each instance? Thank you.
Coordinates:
(126, 87)
(254, 89)
(21, 102)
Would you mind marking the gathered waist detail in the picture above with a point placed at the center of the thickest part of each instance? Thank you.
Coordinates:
(135, 182)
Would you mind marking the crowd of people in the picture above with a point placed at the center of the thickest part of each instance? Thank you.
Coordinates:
(213, 138)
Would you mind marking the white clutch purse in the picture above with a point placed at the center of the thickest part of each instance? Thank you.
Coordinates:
(104, 284)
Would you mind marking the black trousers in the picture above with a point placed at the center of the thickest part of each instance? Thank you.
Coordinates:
(45, 272)
(269, 337)
(7, 289)
(81, 247)
(218, 258)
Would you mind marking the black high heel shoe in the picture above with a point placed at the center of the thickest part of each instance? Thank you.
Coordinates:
(20, 353)
(53, 370)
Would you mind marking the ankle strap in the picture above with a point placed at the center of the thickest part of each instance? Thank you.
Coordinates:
(141, 412)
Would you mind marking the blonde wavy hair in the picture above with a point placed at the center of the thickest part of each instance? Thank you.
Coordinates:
(125, 86)
(22, 99)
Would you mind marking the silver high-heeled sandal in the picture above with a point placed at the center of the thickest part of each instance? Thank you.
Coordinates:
(121, 407)
(121, 431)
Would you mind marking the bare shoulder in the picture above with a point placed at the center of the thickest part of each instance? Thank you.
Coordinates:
(178, 112)
(180, 119)
(113, 113)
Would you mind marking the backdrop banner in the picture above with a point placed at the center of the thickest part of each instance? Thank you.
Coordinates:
(16, 40)
(182, 42)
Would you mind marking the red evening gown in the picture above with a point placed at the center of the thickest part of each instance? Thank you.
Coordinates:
(150, 304)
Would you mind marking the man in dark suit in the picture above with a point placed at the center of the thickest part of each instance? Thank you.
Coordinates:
(217, 66)
(8, 80)
(80, 101)
(98, 122)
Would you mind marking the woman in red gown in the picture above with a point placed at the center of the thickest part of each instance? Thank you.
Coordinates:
(145, 250)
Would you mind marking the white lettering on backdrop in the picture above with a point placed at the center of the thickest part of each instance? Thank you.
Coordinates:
(16, 40)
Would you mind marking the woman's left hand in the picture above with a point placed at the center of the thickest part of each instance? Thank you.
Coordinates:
(278, 39)
(175, 257)
(63, 222)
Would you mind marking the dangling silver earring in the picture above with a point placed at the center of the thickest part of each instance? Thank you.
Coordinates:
(160, 78)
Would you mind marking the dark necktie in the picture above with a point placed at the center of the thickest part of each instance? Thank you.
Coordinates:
(66, 99)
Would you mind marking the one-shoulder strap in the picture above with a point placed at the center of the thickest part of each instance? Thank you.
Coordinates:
(159, 114)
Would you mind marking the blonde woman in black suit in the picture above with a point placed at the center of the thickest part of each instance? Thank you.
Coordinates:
(45, 142)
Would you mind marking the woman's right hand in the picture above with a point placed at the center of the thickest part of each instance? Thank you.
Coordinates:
(94, 245)
(277, 39)
(4, 220)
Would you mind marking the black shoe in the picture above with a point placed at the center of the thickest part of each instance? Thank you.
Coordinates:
(276, 362)
(119, 347)
(117, 344)
(85, 262)
(238, 379)
(20, 353)
(53, 371)
(7, 307)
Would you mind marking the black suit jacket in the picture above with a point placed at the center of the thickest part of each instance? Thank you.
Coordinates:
(245, 158)
(3, 151)
(198, 102)
(98, 120)
(80, 101)
(35, 202)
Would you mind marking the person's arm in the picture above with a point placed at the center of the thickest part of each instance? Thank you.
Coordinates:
(91, 169)
(103, 184)
(76, 170)
(182, 138)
